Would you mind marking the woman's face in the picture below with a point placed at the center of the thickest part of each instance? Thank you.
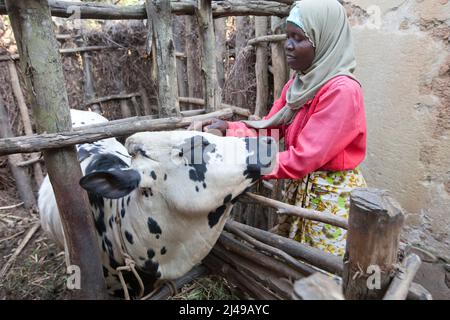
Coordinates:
(299, 50)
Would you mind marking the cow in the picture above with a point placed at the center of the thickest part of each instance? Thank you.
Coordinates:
(166, 195)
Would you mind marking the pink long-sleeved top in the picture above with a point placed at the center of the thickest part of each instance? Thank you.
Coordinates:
(328, 133)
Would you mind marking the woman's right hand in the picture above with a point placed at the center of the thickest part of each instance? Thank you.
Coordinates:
(214, 126)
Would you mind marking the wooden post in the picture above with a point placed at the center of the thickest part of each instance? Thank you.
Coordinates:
(145, 101)
(20, 176)
(179, 40)
(193, 69)
(124, 106)
(375, 222)
(279, 65)
(212, 93)
(242, 26)
(41, 64)
(219, 30)
(262, 76)
(89, 90)
(15, 83)
(160, 34)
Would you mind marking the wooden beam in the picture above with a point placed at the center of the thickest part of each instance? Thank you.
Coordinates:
(399, 287)
(93, 133)
(267, 38)
(243, 250)
(64, 51)
(317, 287)
(41, 64)
(375, 222)
(298, 266)
(310, 255)
(112, 97)
(95, 10)
(160, 33)
(284, 208)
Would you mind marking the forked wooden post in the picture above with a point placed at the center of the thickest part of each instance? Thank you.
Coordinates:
(375, 222)
(41, 65)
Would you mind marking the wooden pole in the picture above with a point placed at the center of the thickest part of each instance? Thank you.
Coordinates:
(242, 27)
(20, 176)
(212, 93)
(88, 79)
(375, 222)
(284, 208)
(193, 69)
(41, 64)
(96, 132)
(279, 268)
(145, 101)
(123, 103)
(219, 30)
(312, 256)
(317, 287)
(15, 83)
(179, 41)
(262, 74)
(160, 31)
(399, 287)
(95, 10)
(279, 65)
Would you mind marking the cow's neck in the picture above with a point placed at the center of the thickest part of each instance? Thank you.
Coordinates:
(165, 239)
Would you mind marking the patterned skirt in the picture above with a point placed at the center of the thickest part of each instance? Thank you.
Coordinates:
(326, 191)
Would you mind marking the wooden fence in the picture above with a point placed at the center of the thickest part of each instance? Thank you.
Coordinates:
(260, 259)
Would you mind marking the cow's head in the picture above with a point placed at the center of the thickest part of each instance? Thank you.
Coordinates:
(192, 171)
(177, 193)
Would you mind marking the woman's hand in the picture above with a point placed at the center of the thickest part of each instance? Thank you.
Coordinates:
(214, 126)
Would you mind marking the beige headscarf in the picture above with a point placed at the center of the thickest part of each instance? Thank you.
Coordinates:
(326, 26)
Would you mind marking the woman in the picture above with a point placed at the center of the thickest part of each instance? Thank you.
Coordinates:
(320, 115)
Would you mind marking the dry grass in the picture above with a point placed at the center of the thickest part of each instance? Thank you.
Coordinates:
(38, 274)
(207, 288)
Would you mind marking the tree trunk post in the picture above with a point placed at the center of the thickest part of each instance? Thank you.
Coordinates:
(160, 31)
(279, 65)
(88, 81)
(41, 65)
(375, 222)
(242, 35)
(38, 176)
(179, 40)
(220, 31)
(193, 71)
(262, 76)
(23, 183)
(212, 93)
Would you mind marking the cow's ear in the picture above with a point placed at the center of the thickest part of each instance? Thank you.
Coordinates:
(111, 184)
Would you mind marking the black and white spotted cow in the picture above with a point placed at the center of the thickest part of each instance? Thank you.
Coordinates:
(173, 190)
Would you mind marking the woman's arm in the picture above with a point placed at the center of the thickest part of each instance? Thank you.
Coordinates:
(337, 120)
(239, 129)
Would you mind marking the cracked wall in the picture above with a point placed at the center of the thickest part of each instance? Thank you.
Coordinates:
(403, 54)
